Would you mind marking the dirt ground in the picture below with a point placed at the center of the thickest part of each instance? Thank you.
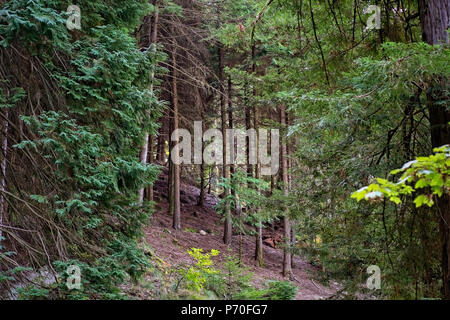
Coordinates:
(171, 245)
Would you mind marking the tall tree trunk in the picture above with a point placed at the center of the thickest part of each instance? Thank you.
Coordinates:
(237, 204)
(161, 146)
(259, 253)
(230, 126)
(144, 150)
(434, 18)
(232, 145)
(170, 180)
(175, 172)
(228, 227)
(3, 169)
(247, 139)
(273, 177)
(287, 269)
(151, 159)
(201, 200)
(290, 160)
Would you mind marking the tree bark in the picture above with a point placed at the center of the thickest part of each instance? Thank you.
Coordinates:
(293, 243)
(290, 152)
(3, 169)
(150, 193)
(287, 268)
(144, 150)
(201, 200)
(247, 139)
(434, 18)
(175, 172)
(259, 253)
(228, 227)
(161, 147)
(230, 126)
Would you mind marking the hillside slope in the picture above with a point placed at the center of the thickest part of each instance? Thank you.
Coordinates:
(171, 245)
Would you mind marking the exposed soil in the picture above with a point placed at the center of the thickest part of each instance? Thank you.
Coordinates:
(171, 245)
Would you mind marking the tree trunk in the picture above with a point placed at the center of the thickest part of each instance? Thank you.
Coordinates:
(201, 200)
(230, 126)
(161, 146)
(293, 243)
(227, 233)
(144, 149)
(175, 172)
(150, 193)
(3, 169)
(247, 139)
(259, 253)
(287, 269)
(170, 194)
(290, 152)
(434, 18)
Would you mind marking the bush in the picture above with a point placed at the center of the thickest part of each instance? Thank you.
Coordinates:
(281, 290)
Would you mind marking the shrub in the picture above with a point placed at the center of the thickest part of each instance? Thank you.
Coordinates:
(281, 290)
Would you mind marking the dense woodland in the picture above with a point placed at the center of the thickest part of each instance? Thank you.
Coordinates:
(359, 91)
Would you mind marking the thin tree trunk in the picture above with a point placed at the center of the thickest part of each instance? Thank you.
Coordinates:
(231, 143)
(230, 126)
(273, 177)
(201, 200)
(150, 192)
(210, 178)
(3, 169)
(161, 146)
(227, 233)
(287, 269)
(176, 207)
(434, 18)
(170, 194)
(289, 161)
(293, 243)
(247, 139)
(144, 150)
(259, 253)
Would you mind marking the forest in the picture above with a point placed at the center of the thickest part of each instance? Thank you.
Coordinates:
(224, 150)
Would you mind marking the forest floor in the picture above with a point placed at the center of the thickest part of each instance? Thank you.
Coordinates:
(171, 245)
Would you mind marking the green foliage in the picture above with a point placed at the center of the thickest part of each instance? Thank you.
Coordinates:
(273, 290)
(203, 279)
(281, 290)
(9, 273)
(191, 230)
(245, 193)
(428, 176)
(196, 275)
(91, 136)
(33, 293)
(232, 279)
